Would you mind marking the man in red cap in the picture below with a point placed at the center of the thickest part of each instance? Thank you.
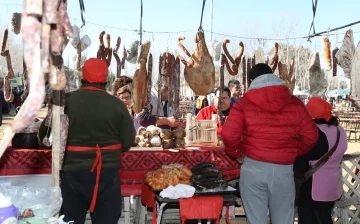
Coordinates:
(100, 128)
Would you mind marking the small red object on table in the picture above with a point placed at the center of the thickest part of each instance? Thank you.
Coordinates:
(201, 207)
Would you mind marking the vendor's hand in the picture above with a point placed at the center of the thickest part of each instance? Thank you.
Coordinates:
(172, 122)
(240, 160)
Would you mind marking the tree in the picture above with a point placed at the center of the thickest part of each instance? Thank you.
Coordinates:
(302, 57)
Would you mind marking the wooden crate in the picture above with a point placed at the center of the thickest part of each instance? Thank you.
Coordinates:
(201, 131)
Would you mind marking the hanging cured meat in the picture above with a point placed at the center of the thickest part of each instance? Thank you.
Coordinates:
(275, 58)
(287, 76)
(16, 22)
(355, 77)
(327, 54)
(345, 54)
(149, 82)
(317, 81)
(248, 68)
(199, 70)
(116, 56)
(235, 63)
(105, 52)
(232, 71)
(176, 78)
(244, 75)
(8, 95)
(132, 52)
(123, 58)
(334, 59)
(140, 79)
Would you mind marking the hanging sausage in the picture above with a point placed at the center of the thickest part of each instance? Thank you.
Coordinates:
(327, 54)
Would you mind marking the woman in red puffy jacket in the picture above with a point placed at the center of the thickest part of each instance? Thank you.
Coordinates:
(269, 127)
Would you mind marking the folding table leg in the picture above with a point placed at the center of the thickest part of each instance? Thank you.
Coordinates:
(160, 211)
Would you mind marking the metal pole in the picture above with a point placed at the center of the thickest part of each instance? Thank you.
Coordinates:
(211, 22)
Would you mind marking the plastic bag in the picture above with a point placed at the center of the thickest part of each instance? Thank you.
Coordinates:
(60, 220)
(85, 42)
(132, 52)
(216, 50)
(25, 193)
(75, 37)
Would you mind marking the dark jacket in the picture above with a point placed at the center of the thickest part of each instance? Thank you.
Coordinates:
(302, 165)
(5, 107)
(96, 118)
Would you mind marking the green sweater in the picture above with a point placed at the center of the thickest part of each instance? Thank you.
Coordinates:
(95, 118)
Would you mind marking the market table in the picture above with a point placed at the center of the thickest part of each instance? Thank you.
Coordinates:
(135, 163)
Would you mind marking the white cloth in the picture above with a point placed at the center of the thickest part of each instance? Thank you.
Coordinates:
(60, 220)
(179, 191)
(216, 50)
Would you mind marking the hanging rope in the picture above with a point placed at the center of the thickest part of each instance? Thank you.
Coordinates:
(82, 10)
(141, 16)
(202, 13)
(314, 6)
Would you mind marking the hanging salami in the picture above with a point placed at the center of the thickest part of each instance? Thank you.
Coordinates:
(334, 59)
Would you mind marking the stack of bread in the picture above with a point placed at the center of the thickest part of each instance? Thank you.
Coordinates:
(167, 176)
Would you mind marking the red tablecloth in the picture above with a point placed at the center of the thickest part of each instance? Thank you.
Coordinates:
(135, 164)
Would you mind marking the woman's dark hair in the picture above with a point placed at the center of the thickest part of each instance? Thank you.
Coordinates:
(333, 121)
(259, 70)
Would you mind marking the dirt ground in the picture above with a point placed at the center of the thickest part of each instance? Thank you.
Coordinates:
(352, 147)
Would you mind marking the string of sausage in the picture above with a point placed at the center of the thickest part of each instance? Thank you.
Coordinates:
(78, 57)
(334, 65)
(149, 82)
(219, 111)
(159, 87)
(177, 88)
(105, 52)
(8, 95)
(244, 81)
(248, 68)
(171, 71)
(116, 56)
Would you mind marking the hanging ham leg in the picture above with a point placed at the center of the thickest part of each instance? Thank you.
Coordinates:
(345, 54)
(31, 29)
(317, 81)
(355, 77)
(199, 70)
(140, 79)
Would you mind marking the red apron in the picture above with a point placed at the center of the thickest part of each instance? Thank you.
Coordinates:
(98, 161)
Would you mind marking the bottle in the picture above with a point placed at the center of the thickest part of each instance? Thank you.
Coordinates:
(8, 212)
